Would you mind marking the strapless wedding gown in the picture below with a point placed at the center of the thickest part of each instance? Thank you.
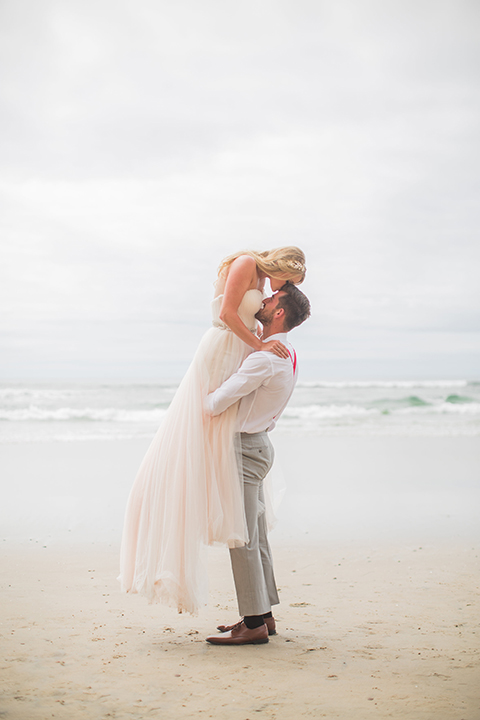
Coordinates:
(187, 493)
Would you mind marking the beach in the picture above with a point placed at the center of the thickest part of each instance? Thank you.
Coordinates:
(171, 172)
(376, 556)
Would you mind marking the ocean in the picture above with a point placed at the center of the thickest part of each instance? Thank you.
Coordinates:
(39, 412)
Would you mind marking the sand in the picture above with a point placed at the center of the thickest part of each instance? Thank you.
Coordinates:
(378, 617)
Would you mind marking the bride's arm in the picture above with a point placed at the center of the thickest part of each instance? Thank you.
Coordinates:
(241, 276)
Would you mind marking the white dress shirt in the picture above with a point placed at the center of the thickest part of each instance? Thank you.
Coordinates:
(263, 384)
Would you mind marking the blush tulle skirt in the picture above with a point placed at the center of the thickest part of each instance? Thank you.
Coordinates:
(187, 493)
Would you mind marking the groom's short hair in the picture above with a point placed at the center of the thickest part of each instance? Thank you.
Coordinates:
(295, 304)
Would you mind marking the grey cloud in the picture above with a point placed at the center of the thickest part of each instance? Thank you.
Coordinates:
(142, 142)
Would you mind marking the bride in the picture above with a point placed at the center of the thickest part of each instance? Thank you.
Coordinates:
(187, 493)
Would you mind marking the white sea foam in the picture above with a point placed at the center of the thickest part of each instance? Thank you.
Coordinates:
(18, 394)
(34, 413)
(98, 410)
(317, 412)
(321, 412)
(383, 384)
(446, 408)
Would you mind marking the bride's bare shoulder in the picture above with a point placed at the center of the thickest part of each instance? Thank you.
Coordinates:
(244, 262)
(239, 276)
(242, 274)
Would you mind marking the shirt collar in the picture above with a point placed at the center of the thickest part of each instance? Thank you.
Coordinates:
(278, 336)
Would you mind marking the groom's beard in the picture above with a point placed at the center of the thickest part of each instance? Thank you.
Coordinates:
(264, 316)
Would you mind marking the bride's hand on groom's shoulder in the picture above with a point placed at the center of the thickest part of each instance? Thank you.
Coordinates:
(276, 347)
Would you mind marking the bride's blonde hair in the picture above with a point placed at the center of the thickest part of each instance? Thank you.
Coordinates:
(284, 262)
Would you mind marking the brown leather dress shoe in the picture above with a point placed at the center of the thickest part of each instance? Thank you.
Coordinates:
(269, 622)
(241, 635)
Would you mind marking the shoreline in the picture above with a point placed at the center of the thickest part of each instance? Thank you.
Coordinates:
(336, 487)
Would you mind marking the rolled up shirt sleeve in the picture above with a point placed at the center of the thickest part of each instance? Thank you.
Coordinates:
(255, 370)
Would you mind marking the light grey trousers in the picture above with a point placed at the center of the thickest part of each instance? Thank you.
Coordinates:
(252, 564)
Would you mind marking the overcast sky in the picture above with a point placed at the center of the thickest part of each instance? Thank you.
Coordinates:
(143, 141)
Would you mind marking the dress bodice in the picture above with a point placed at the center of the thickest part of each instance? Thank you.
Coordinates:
(250, 305)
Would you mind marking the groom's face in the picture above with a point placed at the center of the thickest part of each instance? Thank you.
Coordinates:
(266, 313)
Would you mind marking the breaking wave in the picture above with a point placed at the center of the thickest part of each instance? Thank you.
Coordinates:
(65, 414)
(383, 384)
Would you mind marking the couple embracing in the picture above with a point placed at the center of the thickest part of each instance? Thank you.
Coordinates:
(201, 481)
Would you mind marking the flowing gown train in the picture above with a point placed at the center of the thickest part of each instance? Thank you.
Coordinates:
(187, 493)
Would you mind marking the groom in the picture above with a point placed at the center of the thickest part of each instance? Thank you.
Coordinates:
(263, 384)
